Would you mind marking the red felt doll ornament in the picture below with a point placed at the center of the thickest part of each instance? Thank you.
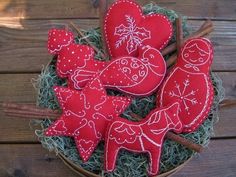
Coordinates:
(190, 82)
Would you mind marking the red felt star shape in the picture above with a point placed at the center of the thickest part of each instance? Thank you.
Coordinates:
(85, 115)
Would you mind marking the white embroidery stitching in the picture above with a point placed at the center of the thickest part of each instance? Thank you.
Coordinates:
(98, 106)
(148, 68)
(133, 34)
(184, 95)
(209, 87)
(141, 14)
(139, 136)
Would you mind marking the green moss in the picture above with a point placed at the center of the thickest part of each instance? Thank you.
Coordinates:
(128, 164)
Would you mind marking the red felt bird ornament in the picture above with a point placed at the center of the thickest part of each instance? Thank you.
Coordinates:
(138, 76)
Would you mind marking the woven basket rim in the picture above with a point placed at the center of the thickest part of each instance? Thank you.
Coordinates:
(81, 171)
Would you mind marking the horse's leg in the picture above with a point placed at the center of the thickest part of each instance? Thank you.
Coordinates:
(111, 152)
(154, 160)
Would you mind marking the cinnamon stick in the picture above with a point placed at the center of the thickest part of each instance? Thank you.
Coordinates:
(227, 103)
(28, 108)
(184, 141)
(179, 41)
(171, 60)
(27, 116)
(179, 34)
(205, 29)
(86, 39)
(30, 113)
(177, 138)
(103, 5)
(206, 24)
(201, 33)
(21, 111)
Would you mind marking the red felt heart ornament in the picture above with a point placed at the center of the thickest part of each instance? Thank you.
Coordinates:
(126, 28)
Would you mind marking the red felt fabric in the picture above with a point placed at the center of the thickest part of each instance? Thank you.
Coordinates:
(57, 39)
(190, 82)
(71, 56)
(145, 136)
(126, 28)
(85, 115)
(138, 76)
(137, 68)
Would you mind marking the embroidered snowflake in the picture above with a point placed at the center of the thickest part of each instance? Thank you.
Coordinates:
(132, 34)
(187, 97)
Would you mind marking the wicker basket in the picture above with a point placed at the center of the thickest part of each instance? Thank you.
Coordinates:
(84, 173)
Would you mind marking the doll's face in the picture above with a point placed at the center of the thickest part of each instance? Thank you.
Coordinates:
(196, 52)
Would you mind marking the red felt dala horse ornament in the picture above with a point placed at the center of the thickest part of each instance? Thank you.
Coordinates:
(145, 136)
(190, 82)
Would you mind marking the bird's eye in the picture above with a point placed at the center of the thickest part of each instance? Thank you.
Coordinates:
(151, 56)
(201, 59)
(186, 55)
